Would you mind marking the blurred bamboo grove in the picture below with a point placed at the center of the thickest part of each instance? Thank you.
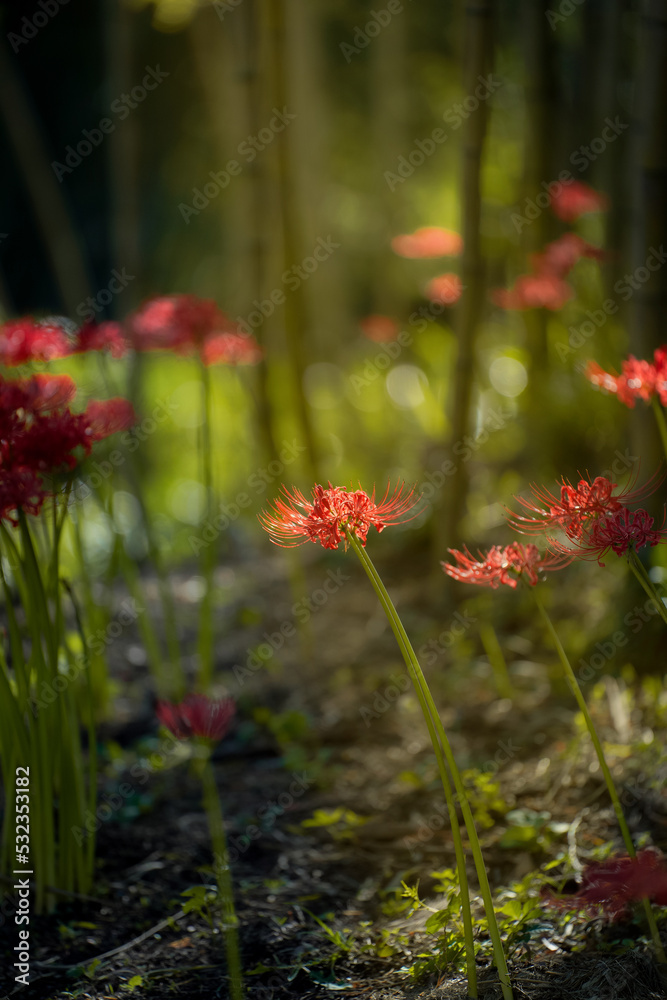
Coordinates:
(265, 153)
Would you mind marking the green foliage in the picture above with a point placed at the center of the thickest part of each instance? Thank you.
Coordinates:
(531, 831)
(341, 823)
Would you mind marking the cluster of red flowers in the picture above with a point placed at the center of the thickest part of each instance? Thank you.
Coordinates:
(39, 436)
(638, 379)
(616, 884)
(333, 514)
(592, 516)
(198, 716)
(181, 323)
(545, 287)
(504, 565)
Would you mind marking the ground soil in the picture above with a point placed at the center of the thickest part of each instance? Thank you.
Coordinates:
(376, 763)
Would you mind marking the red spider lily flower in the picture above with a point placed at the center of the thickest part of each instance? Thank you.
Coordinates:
(101, 337)
(40, 436)
(231, 349)
(577, 505)
(332, 514)
(576, 199)
(106, 417)
(175, 323)
(446, 289)
(534, 291)
(197, 715)
(428, 242)
(560, 256)
(638, 379)
(621, 532)
(616, 884)
(504, 565)
(381, 329)
(28, 339)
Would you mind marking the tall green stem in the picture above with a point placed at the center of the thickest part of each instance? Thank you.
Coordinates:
(223, 877)
(437, 732)
(208, 554)
(646, 583)
(609, 781)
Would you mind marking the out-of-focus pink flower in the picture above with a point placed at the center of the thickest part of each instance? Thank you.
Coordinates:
(109, 416)
(534, 291)
(28, 339)
(446, 289)
(638, 379)
(231, 349)
(428, 242)
(560, 256)
(198, 716)
(503, 565)
(576, 199)
(381, 329)
(101, 337)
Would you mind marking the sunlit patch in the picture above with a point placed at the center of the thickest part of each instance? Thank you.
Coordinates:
(324, 385)
(185, 410)
(405, 385)
(187, 501)
(508, 376)
(126, 512)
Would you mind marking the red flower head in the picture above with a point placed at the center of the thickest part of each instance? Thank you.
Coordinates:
(332, 514)
(40, 436)
(576, 505)
(27, 339)
(560, 256)
(109, 416)
(504, 565)
(198, 716)
(231, 349)
(446, 289)
(381, 329)
(101, 337)
(534, 291)
(428, 242)
(575, 199)
(620, 532)
(617, 883)
(638, 379)
(175, 323)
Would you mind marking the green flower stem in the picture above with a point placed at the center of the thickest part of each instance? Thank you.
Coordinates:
(609, 781)
(645, 581)
(660, 420)
(223, 875)
(437, 732)
(209, 551)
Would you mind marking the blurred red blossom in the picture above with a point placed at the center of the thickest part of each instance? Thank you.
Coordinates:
(575, 199)
(428, 242)
(28, 339)
(197, 715)
(332, 514)
(187, 324)
(101, 337)
(560, 256)
(616, 884)
(622, 531)
(231, 349)
(504, 565)
(638, 379)
(39, 436)
(534, 291)
(446, 289)
(381, 329)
